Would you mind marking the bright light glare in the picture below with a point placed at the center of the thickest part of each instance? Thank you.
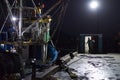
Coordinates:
(94, 4)
(14, 18)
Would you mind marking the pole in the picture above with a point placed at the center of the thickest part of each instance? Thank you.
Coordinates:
(20, 21)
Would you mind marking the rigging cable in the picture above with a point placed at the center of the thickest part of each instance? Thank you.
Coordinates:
(62, 20)
(10, 13)
(6, 18)
(34, 4)
(57, 26)
(54, 15)
(55, 12)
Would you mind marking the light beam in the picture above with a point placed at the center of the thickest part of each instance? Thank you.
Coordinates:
(94, 4)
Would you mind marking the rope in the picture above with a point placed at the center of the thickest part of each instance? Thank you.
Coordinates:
(55, 12)
(57, 26)
(34, 4)
(62, 20)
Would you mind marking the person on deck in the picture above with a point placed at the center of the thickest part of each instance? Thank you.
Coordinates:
(90, 45)
(38, 10)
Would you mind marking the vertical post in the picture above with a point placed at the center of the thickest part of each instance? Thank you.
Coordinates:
(82, 41)
(44, 52)
(33, 69)
(6, 36)
(48, 32)
(20, 20)
(100, 43)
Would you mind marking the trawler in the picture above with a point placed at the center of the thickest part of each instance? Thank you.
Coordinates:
(26, 40)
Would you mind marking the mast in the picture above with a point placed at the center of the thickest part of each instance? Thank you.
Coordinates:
(20, 21)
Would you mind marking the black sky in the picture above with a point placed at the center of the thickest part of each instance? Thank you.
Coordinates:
(81, 19)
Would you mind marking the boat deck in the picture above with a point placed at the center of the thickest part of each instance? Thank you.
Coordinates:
(93, 67)
(87, 67)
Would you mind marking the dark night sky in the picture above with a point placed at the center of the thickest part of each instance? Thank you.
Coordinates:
(79, 19)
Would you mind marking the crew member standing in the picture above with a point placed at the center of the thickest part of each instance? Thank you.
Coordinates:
(38, 10)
